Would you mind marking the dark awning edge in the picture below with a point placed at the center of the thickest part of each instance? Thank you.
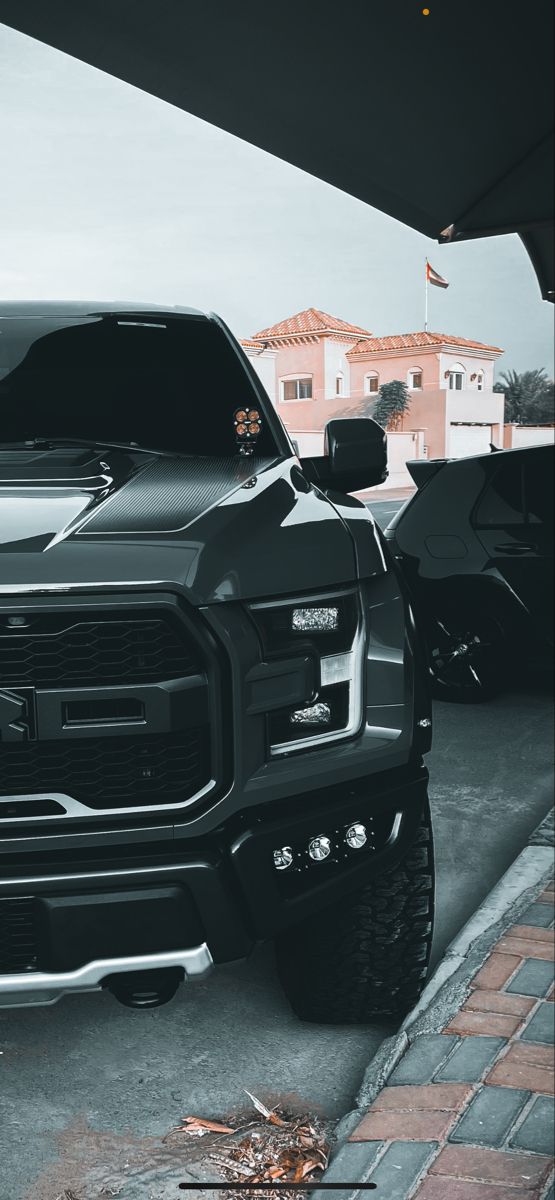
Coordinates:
(413, 115)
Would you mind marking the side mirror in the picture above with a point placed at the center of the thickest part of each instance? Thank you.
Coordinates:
(355, 456)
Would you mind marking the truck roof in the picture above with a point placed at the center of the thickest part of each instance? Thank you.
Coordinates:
(84, 308)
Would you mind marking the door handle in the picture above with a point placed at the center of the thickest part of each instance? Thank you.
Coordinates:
(515, 547)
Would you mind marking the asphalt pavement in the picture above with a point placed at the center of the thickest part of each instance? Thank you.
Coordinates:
(384, 510)
(89, 1082)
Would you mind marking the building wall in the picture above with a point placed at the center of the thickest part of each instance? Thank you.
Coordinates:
(300, 360)
(265, 366)
(472, 365)
(433, 365)
(528, 435)
(395, 366)
(469, 406)
(335, 361)
(322, 363)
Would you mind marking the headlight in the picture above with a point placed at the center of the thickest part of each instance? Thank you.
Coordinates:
(329, 629)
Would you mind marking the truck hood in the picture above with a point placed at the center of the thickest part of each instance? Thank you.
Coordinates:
(215, 529)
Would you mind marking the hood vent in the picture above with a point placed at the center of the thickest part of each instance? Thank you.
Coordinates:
(75, 469)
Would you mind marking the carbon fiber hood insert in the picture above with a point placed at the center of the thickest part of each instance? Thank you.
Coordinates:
(168, 494)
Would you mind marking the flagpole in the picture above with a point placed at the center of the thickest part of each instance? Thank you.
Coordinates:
(426, 305)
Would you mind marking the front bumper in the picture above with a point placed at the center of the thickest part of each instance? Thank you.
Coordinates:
(75, 926)
(46, 987)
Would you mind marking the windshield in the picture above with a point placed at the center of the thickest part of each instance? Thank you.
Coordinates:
(173, 383)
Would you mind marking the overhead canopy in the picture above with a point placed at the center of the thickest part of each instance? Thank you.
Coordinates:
(443, 121)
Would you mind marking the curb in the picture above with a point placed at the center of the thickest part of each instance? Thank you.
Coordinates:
(447, 987)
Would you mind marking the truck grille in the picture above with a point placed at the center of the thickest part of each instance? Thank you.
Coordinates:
(114, 772)
(58, 669)
(58, 650)
(18, 935)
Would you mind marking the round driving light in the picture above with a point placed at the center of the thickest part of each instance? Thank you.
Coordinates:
(319, 848)
(355, 836)
(283, 858)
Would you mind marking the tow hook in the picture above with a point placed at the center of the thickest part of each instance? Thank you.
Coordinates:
(145, 989)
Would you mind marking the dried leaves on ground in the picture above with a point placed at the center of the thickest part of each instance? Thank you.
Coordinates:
(268, 1146)
(197, 1127)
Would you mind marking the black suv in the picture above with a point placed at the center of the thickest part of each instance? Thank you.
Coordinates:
(475, 544)
(213, 704)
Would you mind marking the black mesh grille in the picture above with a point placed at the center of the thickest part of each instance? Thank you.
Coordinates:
(18, 935)
(110, 772)
(57, 650)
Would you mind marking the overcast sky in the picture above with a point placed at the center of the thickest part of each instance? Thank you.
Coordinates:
(107, 193)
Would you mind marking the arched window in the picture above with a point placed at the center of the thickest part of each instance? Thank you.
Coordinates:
(339, 383)
(414, 379)
(371, 383)
(457, 375)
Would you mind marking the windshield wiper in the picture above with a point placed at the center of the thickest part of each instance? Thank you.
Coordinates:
(51, 443)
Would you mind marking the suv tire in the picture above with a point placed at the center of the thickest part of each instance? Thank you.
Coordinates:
(368, 955)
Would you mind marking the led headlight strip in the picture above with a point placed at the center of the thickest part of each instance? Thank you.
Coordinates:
(331, 629)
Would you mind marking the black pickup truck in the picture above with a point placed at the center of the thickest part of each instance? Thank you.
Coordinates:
(213, 704)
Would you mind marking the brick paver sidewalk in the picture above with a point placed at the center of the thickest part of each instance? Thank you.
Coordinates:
(468, 1113)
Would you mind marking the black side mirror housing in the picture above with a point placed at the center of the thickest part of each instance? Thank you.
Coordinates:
(355, 456)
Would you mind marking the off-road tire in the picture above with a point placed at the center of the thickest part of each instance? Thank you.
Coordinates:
(368, 955)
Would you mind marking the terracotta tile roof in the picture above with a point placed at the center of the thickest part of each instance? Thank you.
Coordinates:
(415, 341)
(311, 320)
(249, 344)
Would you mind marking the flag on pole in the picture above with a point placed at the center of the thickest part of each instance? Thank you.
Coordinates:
(433, 277)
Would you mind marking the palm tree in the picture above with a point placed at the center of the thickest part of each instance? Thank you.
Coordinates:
(529, 396)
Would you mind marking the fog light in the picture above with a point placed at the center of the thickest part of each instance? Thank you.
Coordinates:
(319, 848)
(355, 836)
(283, 858)
(315, 620)
(314, 714)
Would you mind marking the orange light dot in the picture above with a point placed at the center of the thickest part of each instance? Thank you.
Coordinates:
(254, 415)
(240, 415)
(425, 12)
(254, 428)
(241, 430)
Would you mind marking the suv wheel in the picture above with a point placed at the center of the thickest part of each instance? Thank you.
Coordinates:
(465, 657)
(367, 956)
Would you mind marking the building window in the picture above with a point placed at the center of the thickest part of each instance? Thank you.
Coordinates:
(339, 383)
(415, 379)
(371, 383)
(456, 377)
(296, 389)
(480, 381)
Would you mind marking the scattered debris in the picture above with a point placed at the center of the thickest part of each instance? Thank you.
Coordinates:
(266, 1112)
(197, 1127)
(281, 1146)
(278, 1145)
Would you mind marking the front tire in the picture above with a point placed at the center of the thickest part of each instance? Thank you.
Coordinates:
(368, 955)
